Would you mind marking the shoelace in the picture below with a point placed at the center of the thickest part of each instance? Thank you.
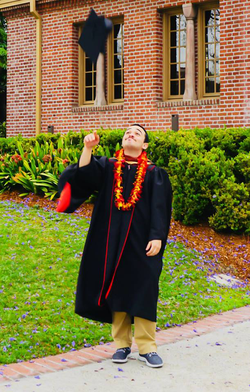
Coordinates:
(122, 349)
(153, 353)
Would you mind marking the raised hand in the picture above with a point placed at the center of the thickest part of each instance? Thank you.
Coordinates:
(91, 140)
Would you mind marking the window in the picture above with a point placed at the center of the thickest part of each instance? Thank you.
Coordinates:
(116, 62)
(174, 54)
(87, 77)
(209, 50)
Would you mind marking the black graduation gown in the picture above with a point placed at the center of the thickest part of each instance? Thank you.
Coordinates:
(115, 272)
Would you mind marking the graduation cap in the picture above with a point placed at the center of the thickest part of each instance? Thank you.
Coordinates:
(94, 35)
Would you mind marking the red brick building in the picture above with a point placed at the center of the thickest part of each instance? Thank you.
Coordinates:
(156, 49)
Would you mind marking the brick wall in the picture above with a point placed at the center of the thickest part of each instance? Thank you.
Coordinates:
(142, 62)
(21, 75)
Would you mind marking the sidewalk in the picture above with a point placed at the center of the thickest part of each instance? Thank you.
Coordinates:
(212, 354)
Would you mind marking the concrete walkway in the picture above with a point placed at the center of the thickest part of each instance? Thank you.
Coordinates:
(212, 354)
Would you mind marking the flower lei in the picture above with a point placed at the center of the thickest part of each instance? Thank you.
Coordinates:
(139, 178)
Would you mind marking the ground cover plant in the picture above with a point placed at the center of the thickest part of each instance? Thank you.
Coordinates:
(40, 255)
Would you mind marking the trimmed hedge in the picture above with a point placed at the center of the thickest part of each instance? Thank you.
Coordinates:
(209, 169)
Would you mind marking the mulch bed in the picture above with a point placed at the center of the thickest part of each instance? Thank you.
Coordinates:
(229, 253)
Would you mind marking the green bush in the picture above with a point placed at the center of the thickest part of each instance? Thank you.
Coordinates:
(232, 205)
(2, 129)
(209, 169)
(230, 140)
(195, 175)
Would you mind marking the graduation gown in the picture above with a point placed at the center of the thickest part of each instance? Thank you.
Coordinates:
(115, 272)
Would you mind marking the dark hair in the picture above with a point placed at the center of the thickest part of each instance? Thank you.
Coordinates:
(146, 140)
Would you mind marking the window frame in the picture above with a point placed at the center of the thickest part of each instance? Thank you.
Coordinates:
(110, 92)
(201, 50)
(166, 54)
(81, 74)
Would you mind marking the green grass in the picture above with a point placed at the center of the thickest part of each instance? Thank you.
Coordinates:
(40, 256)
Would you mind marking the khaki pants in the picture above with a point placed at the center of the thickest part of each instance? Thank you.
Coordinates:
(144, 332)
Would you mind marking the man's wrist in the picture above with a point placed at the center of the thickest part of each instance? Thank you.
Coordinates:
(85, 158)
(88, 149)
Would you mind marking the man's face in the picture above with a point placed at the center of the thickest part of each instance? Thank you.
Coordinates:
(134, 138)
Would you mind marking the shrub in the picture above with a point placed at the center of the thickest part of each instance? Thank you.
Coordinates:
(36, 171)
(195, 176)
(209, 169)
(3, 129)
(232, 205)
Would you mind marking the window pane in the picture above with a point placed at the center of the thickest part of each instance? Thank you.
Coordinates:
(210, 85)
(183, 38)
(182, 70)
(118, 92)
(182, 22)
(217, 51)
(210, 51)
(182, 55)
(209, 18)
(174, 55)
(94, 74)
(174, 39)
(182, 87)
(117, 46)
(177, 71)
(209, 34)
(217, 26)
(118, 31)
(88, 79)
(118, 77)
(117, 61)
(174, 74)
(174, 88)
(217, 16)
(88, 94)
(209, 68)
(217, 68)
(217, 33)
(88, 64)
(174, 22)
(217, 85)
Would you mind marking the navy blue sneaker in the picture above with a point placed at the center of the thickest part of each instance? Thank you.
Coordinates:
(121, 355)
(152, 359)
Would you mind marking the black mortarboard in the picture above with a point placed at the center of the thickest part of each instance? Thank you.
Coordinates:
(94, 34)
(146, 137)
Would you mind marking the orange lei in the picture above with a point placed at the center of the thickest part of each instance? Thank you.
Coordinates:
(139, 178)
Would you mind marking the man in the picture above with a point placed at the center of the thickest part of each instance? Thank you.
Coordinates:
(122, 259)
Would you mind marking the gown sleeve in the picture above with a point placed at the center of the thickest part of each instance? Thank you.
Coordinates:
(76, 184)
(161, 205)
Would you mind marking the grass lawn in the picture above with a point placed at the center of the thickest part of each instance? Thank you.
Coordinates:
(40, 256)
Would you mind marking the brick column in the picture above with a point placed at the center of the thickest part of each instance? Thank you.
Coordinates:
(100, 81)
(190, 12)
